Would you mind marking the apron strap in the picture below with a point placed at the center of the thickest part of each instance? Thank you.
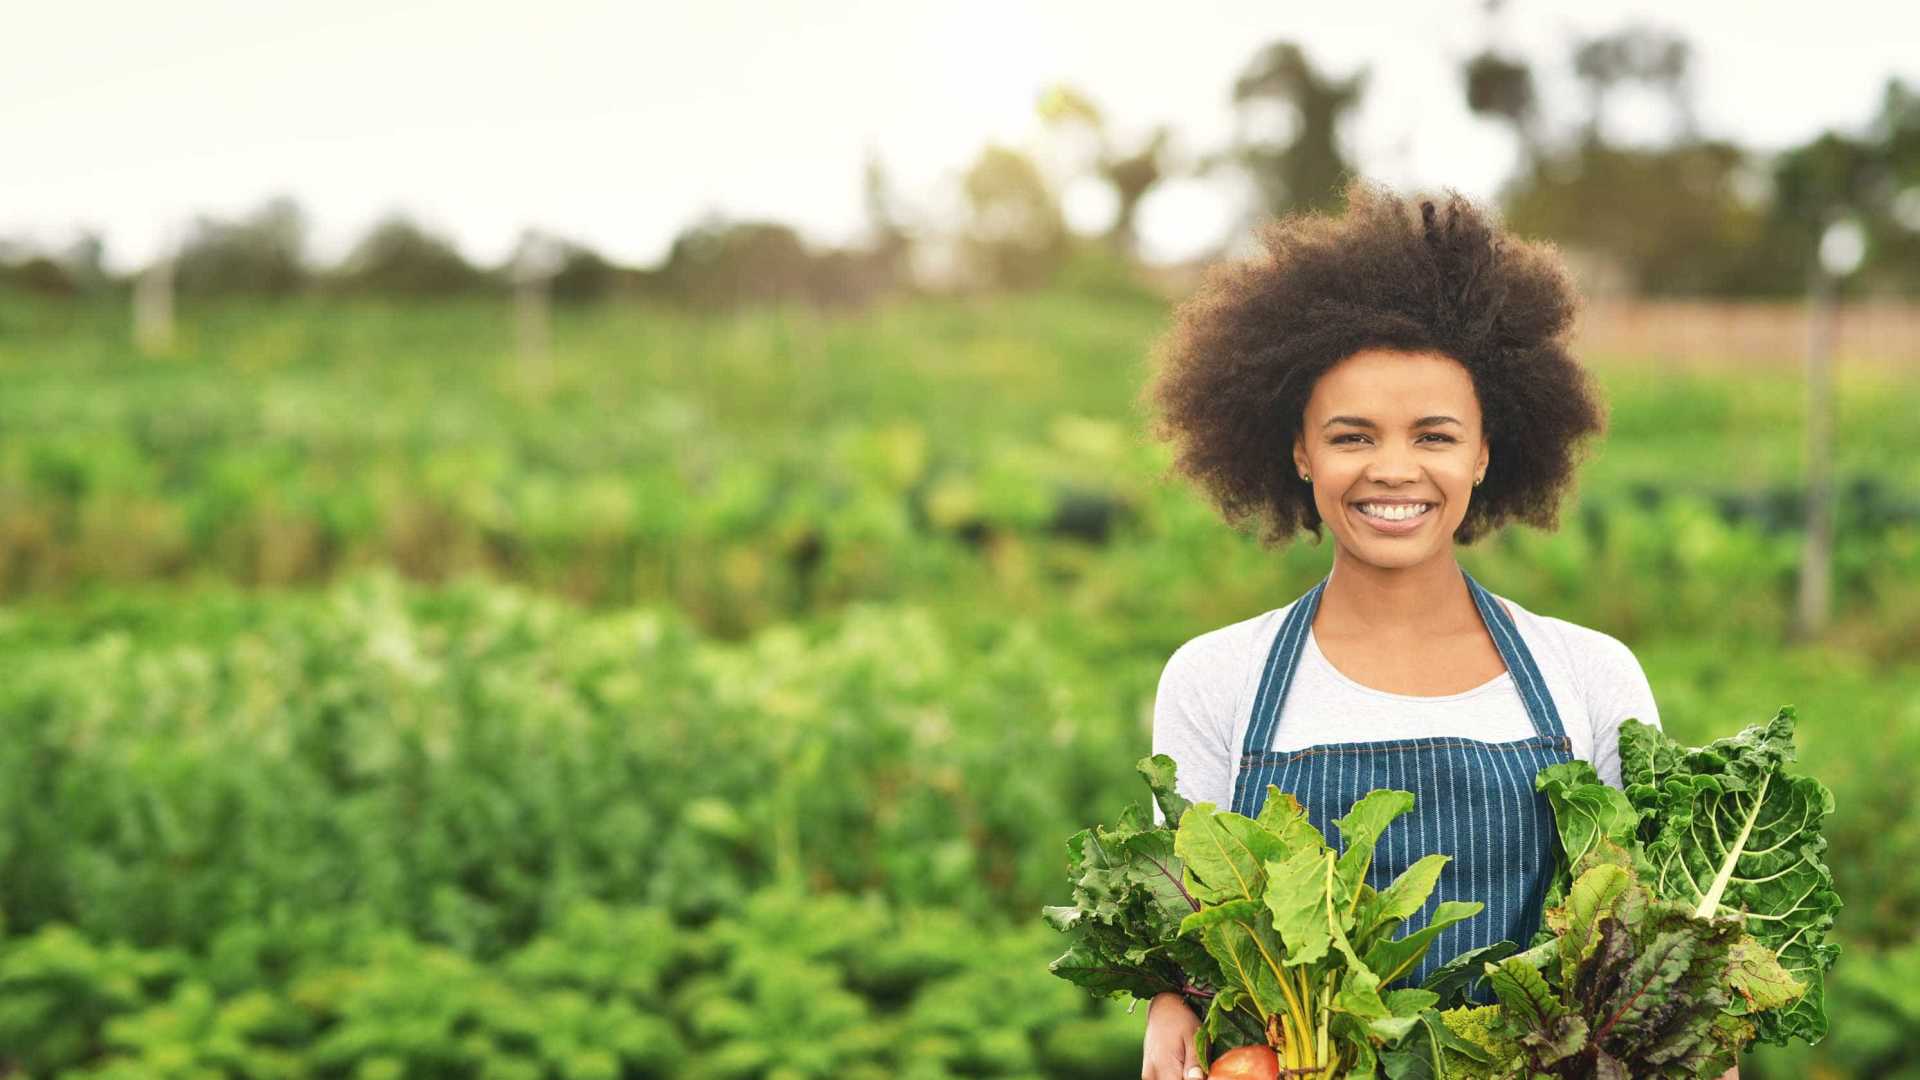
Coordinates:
(1283, 659)
(1519, 660)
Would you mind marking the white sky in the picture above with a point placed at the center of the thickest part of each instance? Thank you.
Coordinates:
(620, 124)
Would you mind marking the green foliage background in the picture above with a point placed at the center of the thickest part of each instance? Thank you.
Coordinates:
(716, 701)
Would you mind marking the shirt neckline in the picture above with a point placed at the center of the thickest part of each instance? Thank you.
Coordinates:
(1320, 659)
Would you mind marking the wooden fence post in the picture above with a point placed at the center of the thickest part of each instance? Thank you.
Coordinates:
(153, 306)
(535, 262)
(1841, 246)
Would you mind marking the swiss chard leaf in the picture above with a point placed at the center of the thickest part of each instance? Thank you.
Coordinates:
(1360, 831)
(1225, 853)
(1733, 831)
(1240, 936)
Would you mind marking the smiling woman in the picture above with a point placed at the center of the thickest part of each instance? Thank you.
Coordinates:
(1400, 375)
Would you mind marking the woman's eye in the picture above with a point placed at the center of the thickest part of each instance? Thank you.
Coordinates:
(1430, 435)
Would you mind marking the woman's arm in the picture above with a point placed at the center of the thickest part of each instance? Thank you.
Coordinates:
(1193, 718)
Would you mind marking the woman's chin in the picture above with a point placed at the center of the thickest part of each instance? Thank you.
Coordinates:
(1388, 551)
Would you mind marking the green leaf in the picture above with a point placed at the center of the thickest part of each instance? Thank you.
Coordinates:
(1654, 987)
(1158, 772)
(1240, 936)
(1360, 830)
(1525, 995)
(1455, 980)
(1555, 1040)
(1283, 816)
(1592, 896)
(1128, 902)
(1394, 958)
(1223, 853)
(1408, 893)
(1409, 1002)
(1585, 809)
(1756, 976)
(1298, 897)
(1736, 832)
(1104, 975)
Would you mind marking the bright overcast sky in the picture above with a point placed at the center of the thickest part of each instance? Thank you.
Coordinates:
(621, 123)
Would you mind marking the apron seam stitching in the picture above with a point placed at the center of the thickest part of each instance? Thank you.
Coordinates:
(1559, 742)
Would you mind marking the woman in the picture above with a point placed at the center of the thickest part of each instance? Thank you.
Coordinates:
(1402, 377)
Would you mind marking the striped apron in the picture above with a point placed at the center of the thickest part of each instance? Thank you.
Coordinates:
(1473, 800)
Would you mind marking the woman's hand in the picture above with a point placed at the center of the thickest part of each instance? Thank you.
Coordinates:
(1168, 1052)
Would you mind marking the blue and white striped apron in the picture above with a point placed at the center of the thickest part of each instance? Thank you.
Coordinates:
(1473, 800)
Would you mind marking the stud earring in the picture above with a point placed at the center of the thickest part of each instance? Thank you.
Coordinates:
(1307, 478)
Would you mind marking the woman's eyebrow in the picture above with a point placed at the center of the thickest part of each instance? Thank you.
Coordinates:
(1361, 421)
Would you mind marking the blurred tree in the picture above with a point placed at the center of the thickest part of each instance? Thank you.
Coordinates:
(1636, 54)
(1131, 175)
(1015, 236)
(399, 257)
(85, 261)
(573, 271)
(584, 274)
(1671, 217)
(720, 263)
(36, 273)
(1679, 217)
(262, 253)
(1873, 178)
(1501, 88)
(1306, 170)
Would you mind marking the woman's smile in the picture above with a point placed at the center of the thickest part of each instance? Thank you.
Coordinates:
(1393, 519)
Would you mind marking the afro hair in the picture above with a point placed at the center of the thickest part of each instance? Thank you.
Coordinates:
(1237, 367)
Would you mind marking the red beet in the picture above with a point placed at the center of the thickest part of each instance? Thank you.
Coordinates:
(1246, 1063)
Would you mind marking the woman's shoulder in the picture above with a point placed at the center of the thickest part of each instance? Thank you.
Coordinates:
(1603, 669)
(1582, 647)
(1228, 646)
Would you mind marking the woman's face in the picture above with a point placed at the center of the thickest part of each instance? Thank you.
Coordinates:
(1386, 427)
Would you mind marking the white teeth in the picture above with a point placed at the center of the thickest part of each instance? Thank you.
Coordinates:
(1394, 513)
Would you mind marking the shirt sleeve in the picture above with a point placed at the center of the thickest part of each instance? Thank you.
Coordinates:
(1617, 690)
(1193, 718)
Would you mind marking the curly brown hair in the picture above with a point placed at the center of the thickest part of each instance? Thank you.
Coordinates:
(1244, 353)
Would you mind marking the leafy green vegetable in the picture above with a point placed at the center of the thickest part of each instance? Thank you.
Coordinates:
(1634, 986)
(1128, 901)
(1729, 830)
(1687, 917)
(1304, 943)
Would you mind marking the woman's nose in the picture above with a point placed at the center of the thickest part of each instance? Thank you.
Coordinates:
(1393, 463)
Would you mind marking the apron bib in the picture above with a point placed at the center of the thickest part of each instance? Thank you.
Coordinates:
(1473, 800)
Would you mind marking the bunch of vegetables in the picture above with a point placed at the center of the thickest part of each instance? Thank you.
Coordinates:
(1687, 918)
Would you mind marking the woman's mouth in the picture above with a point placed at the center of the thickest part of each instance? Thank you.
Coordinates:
(1393, 519)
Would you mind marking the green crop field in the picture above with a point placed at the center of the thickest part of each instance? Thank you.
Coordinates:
(714, 700)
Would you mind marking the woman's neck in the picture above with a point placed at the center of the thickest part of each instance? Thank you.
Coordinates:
(1395, 603)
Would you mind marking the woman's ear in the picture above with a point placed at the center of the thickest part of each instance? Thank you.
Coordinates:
(1300, 466)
